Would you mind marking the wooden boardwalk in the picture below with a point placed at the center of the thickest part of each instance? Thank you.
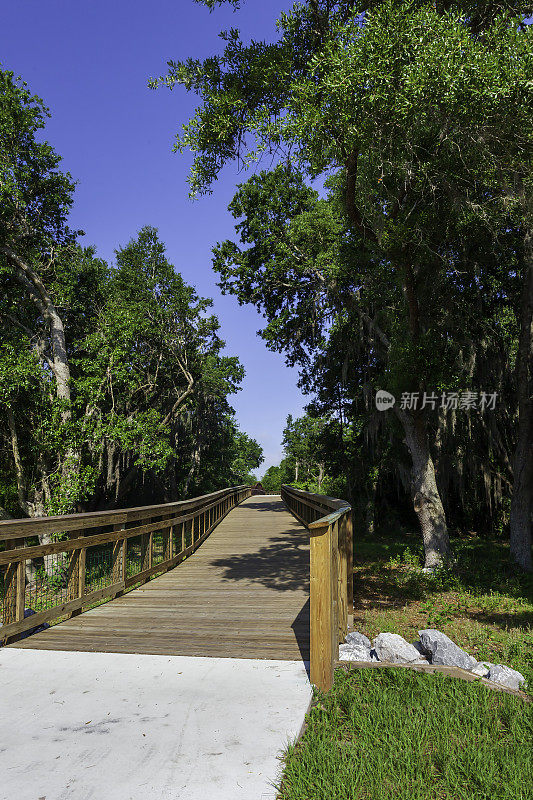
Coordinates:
(243, 594)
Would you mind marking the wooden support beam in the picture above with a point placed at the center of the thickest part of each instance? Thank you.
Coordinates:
(21, 591)
(73, 575)
(322, 610)
(80, 576)
(168, 543)
(342, 579)
(349, 566)
(14, 589)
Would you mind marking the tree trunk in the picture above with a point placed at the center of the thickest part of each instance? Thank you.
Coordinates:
(426, 499)
(320, 476)
(30, 280)
(522, 498)
(370, 511)
(195, 466)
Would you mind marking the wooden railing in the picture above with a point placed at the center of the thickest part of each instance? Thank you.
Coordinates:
(329, 522)
(96, 555)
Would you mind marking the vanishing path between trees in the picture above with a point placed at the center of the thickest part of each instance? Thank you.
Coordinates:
(188, 687)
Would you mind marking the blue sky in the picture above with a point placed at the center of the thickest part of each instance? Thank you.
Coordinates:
(90, 62)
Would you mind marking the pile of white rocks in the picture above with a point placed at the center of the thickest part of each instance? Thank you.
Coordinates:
(433, 647)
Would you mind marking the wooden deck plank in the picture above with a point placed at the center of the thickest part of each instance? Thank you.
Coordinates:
(243, 594)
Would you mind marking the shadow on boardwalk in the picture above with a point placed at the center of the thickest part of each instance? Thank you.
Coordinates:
(282, 565)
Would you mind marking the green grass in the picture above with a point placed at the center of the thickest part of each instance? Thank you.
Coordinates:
(382, 734)
(481, 603)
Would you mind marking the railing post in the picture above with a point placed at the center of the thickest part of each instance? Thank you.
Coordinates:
(169, 544)
(119, 560)
(14, 588)
(349, 566)
(73, 573)
(342, 580)
(323, 633)
(146, 551)
(78, 576)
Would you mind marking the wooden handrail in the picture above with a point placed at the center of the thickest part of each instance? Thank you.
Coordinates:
(173, 523)
(329, 522)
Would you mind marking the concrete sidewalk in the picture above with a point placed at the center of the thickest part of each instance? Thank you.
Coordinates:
(106, 726)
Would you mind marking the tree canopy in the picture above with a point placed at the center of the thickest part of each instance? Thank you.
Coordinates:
(416, 260)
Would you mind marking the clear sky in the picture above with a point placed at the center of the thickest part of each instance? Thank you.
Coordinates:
(90, 63)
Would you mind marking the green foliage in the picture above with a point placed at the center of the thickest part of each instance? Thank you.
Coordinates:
(113, 386)
(149, 385)
(248, 457)
(35, 196)
(276, 476)
(406, 275)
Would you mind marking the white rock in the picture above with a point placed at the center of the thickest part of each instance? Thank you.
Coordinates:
(441, 650)
(349, 652)
(393, 647)
(356, 638)
(506, 676)
(482, 668)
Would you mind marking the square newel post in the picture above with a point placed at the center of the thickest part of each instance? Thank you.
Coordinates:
(14, 588)
(349, 565)
(342, 578)
(323, 593)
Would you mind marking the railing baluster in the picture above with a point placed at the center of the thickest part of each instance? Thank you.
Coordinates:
(146, 551)
(21, 591)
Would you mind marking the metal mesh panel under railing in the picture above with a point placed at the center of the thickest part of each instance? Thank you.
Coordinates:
(158, 547)
(58, 565)
(46, 582)
(177, 537)
(98, 567)
(133, 556)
